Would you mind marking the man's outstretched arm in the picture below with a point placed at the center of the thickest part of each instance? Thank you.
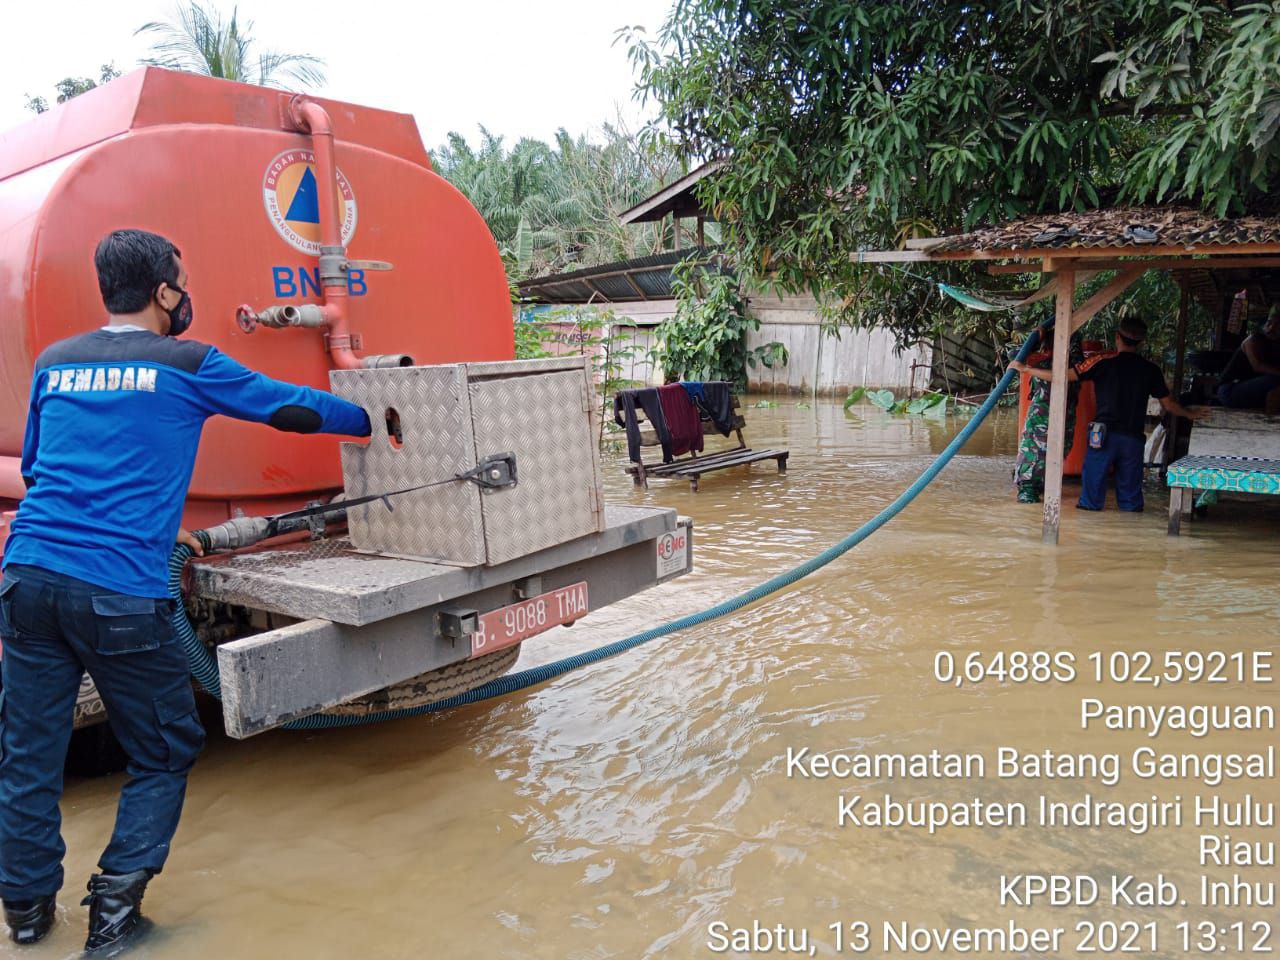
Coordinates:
(1178, 410)
(1039, 374)
(224, 386)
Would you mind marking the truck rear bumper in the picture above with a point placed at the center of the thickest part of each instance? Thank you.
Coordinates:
(369, 622)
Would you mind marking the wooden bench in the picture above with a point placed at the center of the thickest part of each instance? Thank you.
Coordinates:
(695, 465)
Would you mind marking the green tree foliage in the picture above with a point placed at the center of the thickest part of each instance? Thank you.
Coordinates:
(553, 207)
(199, 40)
(851, 124)
(707, 338)
(69, 87)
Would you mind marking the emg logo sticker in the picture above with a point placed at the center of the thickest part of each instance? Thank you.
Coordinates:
(672, 550)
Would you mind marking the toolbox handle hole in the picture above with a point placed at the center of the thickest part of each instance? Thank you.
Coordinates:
(395, 435)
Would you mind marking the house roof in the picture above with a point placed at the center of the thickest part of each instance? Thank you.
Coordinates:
(679, 198)
(1124, 229)
(641, 278)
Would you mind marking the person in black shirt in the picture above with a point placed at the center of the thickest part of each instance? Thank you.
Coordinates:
(1252, 378)
(1122, 381)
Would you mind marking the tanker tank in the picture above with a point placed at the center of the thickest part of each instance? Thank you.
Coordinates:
(242, 178)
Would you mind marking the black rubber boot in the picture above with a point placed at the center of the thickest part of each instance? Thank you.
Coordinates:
(115, 911)
(29, 920)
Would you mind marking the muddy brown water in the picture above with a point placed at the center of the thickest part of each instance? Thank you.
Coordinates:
(619, 810)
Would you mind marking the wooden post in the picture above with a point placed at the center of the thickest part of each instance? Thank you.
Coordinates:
(1058, 403)
(1179, 363)
(702, 230)
(1179, 366)
(1176, 495)
(1118, 285)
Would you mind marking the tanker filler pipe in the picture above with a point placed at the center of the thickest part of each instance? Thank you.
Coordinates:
(311, 118)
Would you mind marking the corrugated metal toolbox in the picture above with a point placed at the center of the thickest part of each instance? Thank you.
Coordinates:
(453, 416)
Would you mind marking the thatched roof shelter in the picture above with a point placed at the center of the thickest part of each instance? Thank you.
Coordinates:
(1211, 258)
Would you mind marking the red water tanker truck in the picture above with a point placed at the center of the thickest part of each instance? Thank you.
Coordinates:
(318, 238)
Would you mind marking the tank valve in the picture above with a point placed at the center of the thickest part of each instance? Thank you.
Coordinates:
(288, 315)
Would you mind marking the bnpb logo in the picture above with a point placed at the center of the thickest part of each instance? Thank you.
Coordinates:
(291, 195)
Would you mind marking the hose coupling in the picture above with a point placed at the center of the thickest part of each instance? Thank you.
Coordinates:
(234, 533)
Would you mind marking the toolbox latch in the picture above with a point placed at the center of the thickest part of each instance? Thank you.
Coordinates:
(493, 472)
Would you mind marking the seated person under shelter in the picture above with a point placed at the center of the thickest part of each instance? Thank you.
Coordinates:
(1122, 381)
(1251, 380)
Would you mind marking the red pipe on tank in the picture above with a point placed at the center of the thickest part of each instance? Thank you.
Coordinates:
(311, 118)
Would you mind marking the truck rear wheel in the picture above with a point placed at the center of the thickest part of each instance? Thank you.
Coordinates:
(433, 685)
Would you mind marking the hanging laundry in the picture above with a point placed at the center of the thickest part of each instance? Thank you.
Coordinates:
(694, 389)
(625, 403)
(684, 419)
(717, 402)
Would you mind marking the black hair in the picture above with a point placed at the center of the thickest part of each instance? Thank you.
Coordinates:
(131, 265)
(1132, 330)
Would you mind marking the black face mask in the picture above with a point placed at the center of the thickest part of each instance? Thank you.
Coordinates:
(181, 314)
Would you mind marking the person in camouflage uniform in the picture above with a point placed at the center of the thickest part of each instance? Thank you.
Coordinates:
(1028, 472)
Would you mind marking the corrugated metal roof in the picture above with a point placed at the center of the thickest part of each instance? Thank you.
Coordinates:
(641, 278)
(1130, 228)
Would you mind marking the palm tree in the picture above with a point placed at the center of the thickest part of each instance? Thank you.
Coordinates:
(513, 190)
(555, 207)
(200, 41)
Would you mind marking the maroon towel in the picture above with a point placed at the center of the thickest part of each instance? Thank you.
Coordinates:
(684, 421)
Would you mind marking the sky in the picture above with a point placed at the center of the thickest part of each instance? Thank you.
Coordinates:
(520, 68)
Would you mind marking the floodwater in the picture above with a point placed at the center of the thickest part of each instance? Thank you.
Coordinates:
(620, 810)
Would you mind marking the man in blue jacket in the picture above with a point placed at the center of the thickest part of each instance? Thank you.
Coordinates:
(114, 423)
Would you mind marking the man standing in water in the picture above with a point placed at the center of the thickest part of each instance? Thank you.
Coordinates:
(112, 431)
(1122, 382)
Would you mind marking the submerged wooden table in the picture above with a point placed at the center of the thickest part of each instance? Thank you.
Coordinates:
(1236, 451)
(1232, 474)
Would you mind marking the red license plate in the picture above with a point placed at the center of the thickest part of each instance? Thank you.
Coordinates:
(520, 621)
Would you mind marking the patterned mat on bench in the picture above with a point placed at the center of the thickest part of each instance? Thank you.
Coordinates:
(1237, 474)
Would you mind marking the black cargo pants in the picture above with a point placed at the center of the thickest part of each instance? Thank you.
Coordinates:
(54, 627)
